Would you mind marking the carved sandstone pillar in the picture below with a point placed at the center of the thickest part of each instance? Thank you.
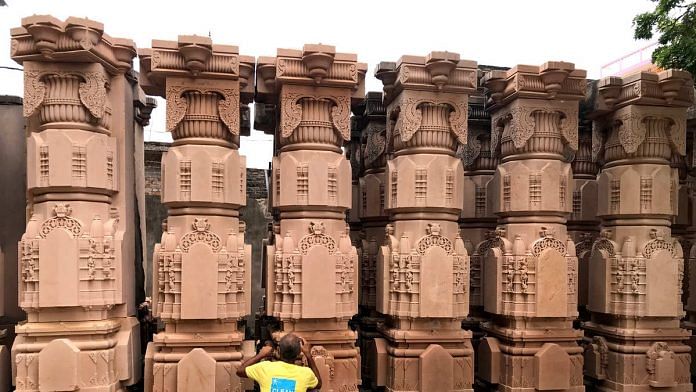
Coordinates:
(353, 152)
(687, 206)
(634, 340)
(423, 267)
(311, 271)
(373, 217)
(530, 274)
(583, 224)
(202, 267)
(477, 221)
(77, 254)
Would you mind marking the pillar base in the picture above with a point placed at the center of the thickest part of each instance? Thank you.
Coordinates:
(423, 360)
(518, 360)
(175, 360)
(641, 358)
(95, 356)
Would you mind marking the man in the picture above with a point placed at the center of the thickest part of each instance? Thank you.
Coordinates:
(283, 375)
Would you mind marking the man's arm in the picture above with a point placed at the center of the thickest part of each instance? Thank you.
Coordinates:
(307, 351)
(265, 352)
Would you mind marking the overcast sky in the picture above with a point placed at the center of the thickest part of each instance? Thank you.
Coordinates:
(589, 33)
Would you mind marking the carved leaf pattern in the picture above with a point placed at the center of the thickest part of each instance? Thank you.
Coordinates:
(498, 123)
(34, 92)
(632, 132)
(93, 93)
(229, 110)
(340, 116)
(472, 149)
(292, 114)
(677, 135)
(521, 126)
(176, 106)
(409, 119)
(569, 129)
(458, 117)
(597, 140)
(376, 144)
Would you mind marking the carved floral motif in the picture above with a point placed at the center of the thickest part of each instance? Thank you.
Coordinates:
(62, 220)
(93, 93)
(228, 107)
(176, 106)
(201, 233)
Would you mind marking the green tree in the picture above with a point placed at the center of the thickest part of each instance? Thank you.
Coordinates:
(675, 24)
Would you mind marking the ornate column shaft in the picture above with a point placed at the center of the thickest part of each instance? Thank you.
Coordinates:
(202, 272)
(370, 207)
(423, 267)
(477, 221)
(77, 254)
(687, 207)
(311, 268)
(583, 223)
(530, 271)
(634, 340)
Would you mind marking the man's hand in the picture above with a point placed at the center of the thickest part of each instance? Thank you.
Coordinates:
(266, 351)
(306, 348)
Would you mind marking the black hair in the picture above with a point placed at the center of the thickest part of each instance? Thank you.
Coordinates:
(289, 347)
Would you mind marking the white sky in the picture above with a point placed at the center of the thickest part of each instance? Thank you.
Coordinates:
(589, 33)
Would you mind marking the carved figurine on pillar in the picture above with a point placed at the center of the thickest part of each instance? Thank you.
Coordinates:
(423, 267)
(634, 339)
(202, 271)
(530, 276)
(311, 270)
(77, 254)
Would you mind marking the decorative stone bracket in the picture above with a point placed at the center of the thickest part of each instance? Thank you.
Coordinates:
(409, 113)
(292, 112)
(228, 106)
(92, 91)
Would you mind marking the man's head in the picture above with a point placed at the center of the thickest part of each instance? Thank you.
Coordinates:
(289, 347)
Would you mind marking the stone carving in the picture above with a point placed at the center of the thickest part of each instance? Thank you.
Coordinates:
(433, 238)
(93, 93)
(63, 220)
(641, 278)
(200, 233)
(34, 92)
(229, 110)
(423, 278)
(176, 106)
(317, 237)
(528, 116)
(76, 258)
(312, 269)
(202, 265)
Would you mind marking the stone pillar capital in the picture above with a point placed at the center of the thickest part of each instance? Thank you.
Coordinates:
(81, 41)
(542, 100)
